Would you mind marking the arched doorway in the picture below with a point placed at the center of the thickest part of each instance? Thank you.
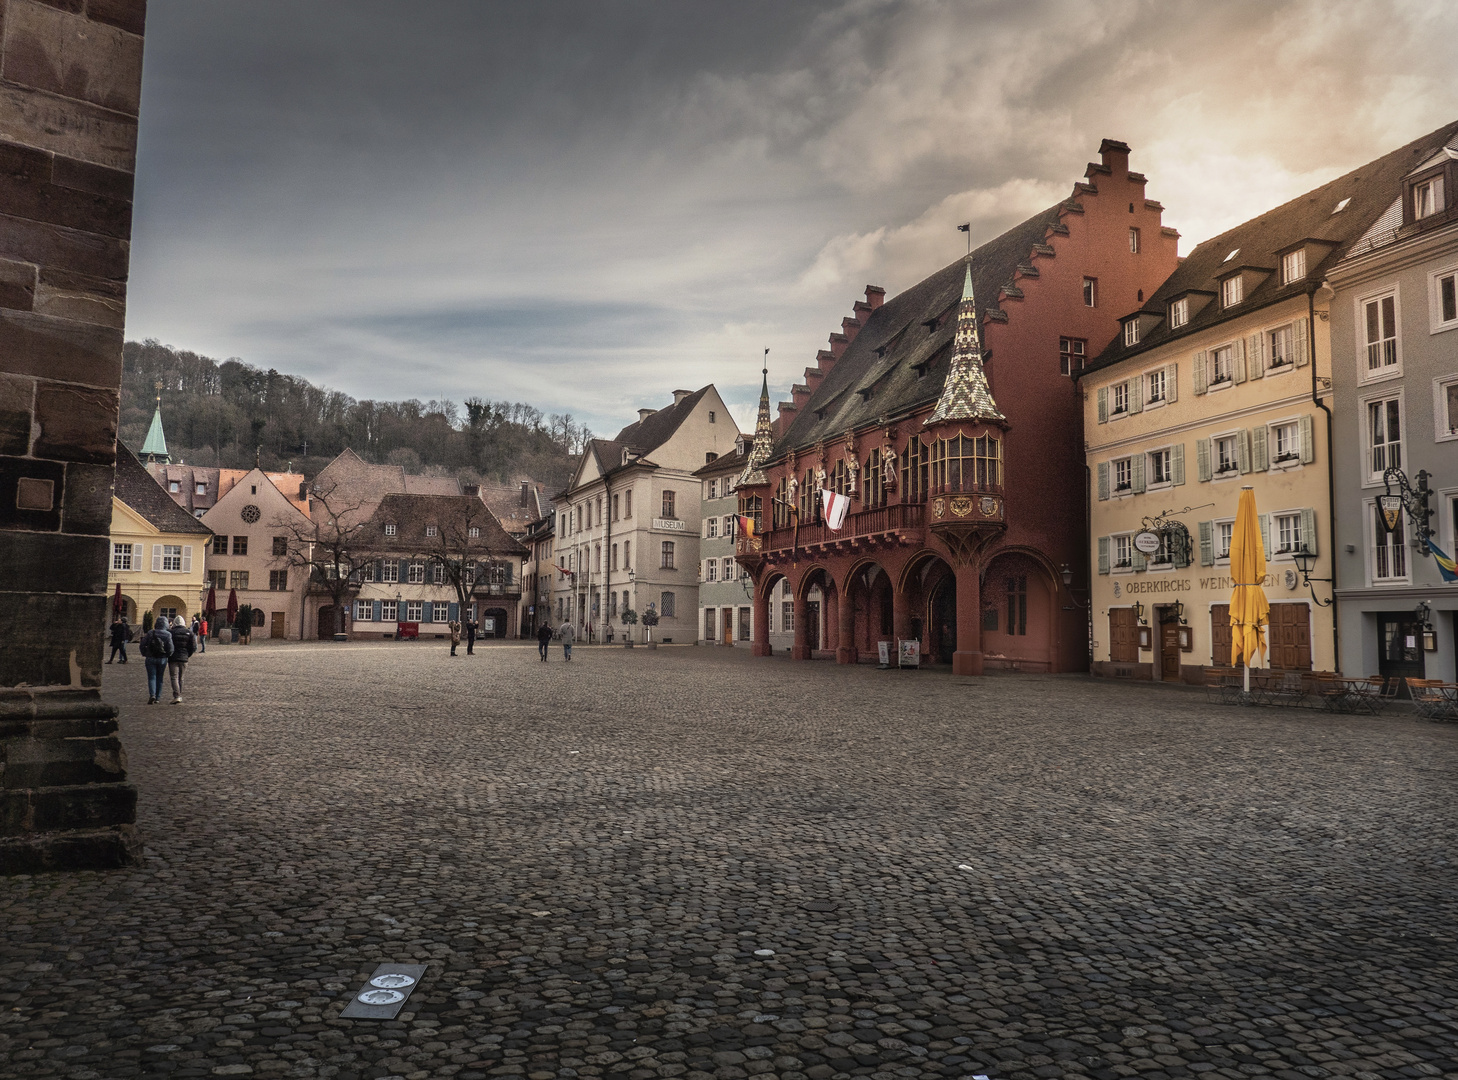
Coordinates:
(493, 622)
(930, 587)
(868, 596)
(941, 630)
(1018, 618)
(818, 590)
(326, 628)
(171, 606)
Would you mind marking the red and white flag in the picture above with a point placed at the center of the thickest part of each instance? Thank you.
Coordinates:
(835, 509)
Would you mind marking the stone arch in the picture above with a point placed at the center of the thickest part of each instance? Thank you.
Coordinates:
(929, 584)
(170, 603)
(1020, 611)
(868, 593)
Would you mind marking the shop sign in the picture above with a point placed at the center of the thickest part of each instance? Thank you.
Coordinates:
(1391, 506)
(1146, 543)
(670, 524)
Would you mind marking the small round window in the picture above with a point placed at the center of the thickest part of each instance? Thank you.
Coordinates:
(250, 514)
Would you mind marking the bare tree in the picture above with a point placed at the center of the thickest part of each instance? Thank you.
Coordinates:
(461, 547)
(327, 547)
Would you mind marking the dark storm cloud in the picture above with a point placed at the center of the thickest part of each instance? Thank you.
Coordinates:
(588, 205)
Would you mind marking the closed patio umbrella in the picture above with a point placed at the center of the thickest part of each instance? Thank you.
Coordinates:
(1249, 609)
(118, 605)
(232, 605)
(210, 608)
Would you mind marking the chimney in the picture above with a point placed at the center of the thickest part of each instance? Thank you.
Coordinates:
(679, 395)
(875, 296)
(850, 328)
(303, 490)
(472, 490)
(526, 491)
(644, 414)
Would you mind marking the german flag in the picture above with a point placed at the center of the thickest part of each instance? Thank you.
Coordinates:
(746, 526)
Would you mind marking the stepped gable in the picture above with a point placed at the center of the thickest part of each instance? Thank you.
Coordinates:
(876, 376)
(1261, 240)
(136, 487)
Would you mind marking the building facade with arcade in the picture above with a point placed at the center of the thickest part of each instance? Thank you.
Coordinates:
(950, 419)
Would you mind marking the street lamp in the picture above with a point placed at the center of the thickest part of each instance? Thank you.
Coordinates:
(1067, 574)
(1306, 562)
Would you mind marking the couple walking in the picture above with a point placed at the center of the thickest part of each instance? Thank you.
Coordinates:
(166, 650)
(544, 638)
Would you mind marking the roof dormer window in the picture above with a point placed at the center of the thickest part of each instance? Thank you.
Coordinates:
(389, 528)
(1293, 266)
(1179, 313)
(1427, 197)
(1232, 291)
(1131, 333)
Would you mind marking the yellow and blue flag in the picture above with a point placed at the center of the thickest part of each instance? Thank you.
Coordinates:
(1446, 566)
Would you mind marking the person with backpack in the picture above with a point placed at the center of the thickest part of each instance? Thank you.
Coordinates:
(544, 640)
(156, 648)
(120, 633)
(183, 646)
(568, 634)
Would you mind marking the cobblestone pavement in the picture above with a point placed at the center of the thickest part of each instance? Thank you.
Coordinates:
(688, 863)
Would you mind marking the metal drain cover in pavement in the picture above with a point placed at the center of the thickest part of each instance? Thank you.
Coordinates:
(821, 905)
(384, 995)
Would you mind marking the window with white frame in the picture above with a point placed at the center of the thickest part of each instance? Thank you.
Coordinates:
(1384, 434)
(1163, 556)
(121, 557)
(390, 571)
(1090, 292)
(415, 575)
(1232, 291)
(389, 528)
(1446, 402)
(474, 532)
(1154, 392)
(1285, 442)
(388, 610)
(1179, 313)
(437, 574)
(730, 569)
(1071, 353)
(1280, 344)
(711, 570)
(172, 558)
(1222, 365)
(1134, 241)
(414, 610)
(432, 530)
(1121, 399)
(1226, 455)
(1123, 471)
(1224, 530)
(367, 572)
(730, 526)
(1389, 547)
(1131, 332)
(1293, 266)
(1122, 552)
(1443, 303)
(1427, 197)
(364, 611)
(1160, 467)
(1286, 534)
(1379, 321)
(441, 612)
(713, 526)
(711, 489)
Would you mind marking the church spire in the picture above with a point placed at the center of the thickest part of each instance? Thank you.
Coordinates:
(764, 435)
(965, 394)
(155, 448)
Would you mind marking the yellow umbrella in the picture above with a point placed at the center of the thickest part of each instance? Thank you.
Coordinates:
(1249, 610)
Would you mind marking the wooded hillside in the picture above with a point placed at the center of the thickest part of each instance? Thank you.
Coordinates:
(216, 413)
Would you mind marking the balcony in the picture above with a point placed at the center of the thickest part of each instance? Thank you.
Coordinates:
(901, 523)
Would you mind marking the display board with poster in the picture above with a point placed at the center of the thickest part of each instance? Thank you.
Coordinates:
(908, 654)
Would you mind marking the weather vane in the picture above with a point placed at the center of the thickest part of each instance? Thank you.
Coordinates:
(967, 228)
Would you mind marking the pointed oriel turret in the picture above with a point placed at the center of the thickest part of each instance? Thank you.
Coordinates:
(966, 395)
(764, 437)
(155, 448)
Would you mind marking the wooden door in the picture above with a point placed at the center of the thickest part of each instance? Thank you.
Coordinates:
(1220, 635)
(1169, 650)
(278, 627)
(727, 622)
(1123, 636)
(326, 622)
(1289, 637)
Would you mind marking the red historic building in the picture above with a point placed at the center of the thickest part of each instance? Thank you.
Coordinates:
(950, 417)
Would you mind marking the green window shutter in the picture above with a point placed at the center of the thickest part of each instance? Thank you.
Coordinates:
(1207, 543)
(1138, 470)
(1202, 459)
(1103, 396)
(379, 572)
(1177, 463)
(1171, 382)
(1103, 480)
(1255, 351)
(1265, 520)
(1242, 450)
(1308, 530)
(1181, 557)
(1136, 394)
(378, 610)
(1138, 561)
(1103, 554)
(427, 612)
(1201, 374)
(1260, 461)
(1237, 359)
(1299, 342)
(1308, 441)
(453, 611)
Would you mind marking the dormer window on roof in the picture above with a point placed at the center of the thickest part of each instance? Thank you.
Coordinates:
(1232, 291)
(1427, 197)
(389, 528)
(1131, 333)
(1342, 205)
(1293, 266)
(1179, 312)
(1233, 253)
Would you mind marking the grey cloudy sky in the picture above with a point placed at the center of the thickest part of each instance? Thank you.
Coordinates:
(586, 205)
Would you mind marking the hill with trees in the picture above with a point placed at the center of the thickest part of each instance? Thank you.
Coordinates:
(217, 413)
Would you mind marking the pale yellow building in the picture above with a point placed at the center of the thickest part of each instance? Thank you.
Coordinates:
(158, 549)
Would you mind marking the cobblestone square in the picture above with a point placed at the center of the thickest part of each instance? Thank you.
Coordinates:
(689, 863)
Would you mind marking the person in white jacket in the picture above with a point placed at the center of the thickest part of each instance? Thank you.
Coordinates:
(568, 635)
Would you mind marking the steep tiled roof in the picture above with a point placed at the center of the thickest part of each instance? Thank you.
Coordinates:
(136, 488)
(656, 429)
(725, 463)
(1259, 242)
(410, 514)
(356, 481)
(877, 375)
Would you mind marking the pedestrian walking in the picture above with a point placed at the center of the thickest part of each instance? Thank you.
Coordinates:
(156, 648)
(200, 632)
(120, 634)
(568, 635)
(455, 629)
(472, 626)
(183, 646)
(544, 639)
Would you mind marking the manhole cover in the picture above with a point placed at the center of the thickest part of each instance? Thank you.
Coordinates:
(821, 905)
(393, 981)
(381, 997)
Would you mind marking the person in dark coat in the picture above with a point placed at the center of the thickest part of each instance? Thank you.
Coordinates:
(156, 649)
(184, 644)
(472, 626)
(120, 634)
(544, 640)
